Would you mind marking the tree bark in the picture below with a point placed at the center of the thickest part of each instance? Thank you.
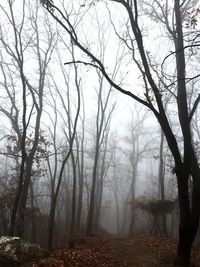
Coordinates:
(161, 178)
(51, 221)
(73, 203)
(22, 204)
(81, 179)
(90, 219)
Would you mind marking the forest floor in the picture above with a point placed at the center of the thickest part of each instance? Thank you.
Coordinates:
(143, 251)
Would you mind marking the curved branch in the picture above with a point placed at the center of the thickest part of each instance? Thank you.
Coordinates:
(194, 108)
(97, 63)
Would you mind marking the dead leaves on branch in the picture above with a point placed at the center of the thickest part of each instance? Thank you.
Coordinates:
(47, 4)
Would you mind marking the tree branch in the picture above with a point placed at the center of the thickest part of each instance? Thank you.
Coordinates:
(194, 108)
(100, 65)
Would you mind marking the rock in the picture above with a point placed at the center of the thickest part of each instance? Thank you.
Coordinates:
(14, 251)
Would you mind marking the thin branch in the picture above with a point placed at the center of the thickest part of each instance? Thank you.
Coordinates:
(94, 58)
(82, 62)
(194, 108)
(178, 51)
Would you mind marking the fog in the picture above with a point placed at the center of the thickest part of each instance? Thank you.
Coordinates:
(81, 146)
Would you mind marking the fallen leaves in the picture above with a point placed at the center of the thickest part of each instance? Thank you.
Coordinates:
(143, 251)
(94, 253)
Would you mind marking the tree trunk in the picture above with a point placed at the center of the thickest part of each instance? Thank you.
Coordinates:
(90, 219)
(79, 204)
(184, 243)
(184, 247)
(132, 191)
(73, 204)
(99, 189)
(17, 199)
(161, 179)
(98, 202)
(22, 205)
(80, 196)
(33, 216)
(51, 222)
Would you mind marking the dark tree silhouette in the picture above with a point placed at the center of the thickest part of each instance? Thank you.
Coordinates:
(186, 163)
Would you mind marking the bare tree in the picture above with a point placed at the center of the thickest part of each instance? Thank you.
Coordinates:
(118, 178)
(16, 51)
(69, 123)
(186, 163)
(81, 163)
(138, 147)
(102, 123)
